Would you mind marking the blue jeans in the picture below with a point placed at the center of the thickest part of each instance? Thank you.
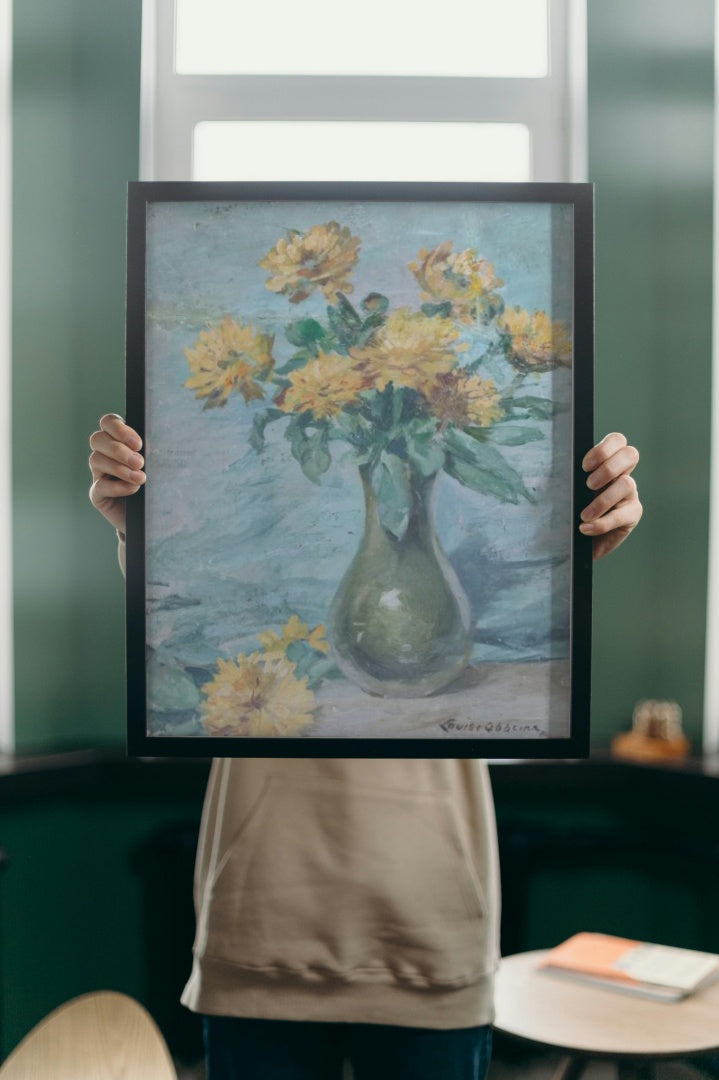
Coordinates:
(243, 1049)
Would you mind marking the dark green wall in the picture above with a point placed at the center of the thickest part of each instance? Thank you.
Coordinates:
(78, 901)
(75, 146)
(650, 156)
(76, 89)
(96, 893)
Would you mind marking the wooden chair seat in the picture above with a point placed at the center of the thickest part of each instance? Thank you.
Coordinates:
(99, 1036)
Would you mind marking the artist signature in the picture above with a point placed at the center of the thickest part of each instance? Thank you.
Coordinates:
(493, 727)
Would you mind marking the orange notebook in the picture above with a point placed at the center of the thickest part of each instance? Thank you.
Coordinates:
(662, 972)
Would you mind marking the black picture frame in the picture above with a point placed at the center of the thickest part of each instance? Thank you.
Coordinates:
(180, 234)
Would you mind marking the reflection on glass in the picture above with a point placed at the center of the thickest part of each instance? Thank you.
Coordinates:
(489, 38)
(315, 150)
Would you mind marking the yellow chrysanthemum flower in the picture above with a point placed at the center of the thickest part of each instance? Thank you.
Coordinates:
(228, 359)
(468, 283)
(537, 343)
(324, 386)
(294, 630)
(409, 349)
(317, 639)
(464, 400)
(256, 695)
(322, 258)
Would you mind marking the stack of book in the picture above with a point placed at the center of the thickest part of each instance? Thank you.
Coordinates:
(661, 972)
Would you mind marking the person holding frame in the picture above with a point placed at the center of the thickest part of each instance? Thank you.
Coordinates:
(348, 909)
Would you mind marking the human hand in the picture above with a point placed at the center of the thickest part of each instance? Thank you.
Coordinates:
(616, 510)
(116, 466)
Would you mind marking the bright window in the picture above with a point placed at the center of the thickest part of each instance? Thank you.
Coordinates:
(467, 90)
(290, 150)
(472, 38)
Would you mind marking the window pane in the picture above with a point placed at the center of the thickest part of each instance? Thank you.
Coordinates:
(279, 150)
(497, 38)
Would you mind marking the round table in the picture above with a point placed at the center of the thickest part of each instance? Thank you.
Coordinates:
(587, 1022)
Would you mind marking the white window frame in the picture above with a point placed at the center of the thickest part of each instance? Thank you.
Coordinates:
(553, 108)
(7, 719)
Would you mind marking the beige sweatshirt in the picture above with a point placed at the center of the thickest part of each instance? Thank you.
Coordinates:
(347, 890)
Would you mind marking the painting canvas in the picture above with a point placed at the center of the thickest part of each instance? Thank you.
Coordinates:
(362, 408)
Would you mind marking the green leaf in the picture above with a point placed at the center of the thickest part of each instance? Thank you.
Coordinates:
(299, 360)
(538, 408)
(347, 424)
(170, 689)
(345, 334)
(424, 448)
(310, 663)
(421, 427)
(344, 322)
(482, 480)
(352, 428)
(482, 468)
(463, 445)
(316, 458)
(375, 303)
(444, 309)
(348, 311)
(479, 434)
(324, 668)
(304, 332)
(309, 448)
(398, 402)
(296, 652)
(362, 456)
(514, 434)
(371, 323)
(358, 433)
(428, 459)
(382, 407)
(259, 423)
(390, 483)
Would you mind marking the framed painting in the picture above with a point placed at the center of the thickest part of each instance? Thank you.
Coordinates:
(364, 408)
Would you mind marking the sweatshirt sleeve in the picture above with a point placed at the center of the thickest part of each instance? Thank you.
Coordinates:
(121, 550)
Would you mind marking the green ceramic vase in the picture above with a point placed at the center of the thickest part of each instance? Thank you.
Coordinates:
(399, 624)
